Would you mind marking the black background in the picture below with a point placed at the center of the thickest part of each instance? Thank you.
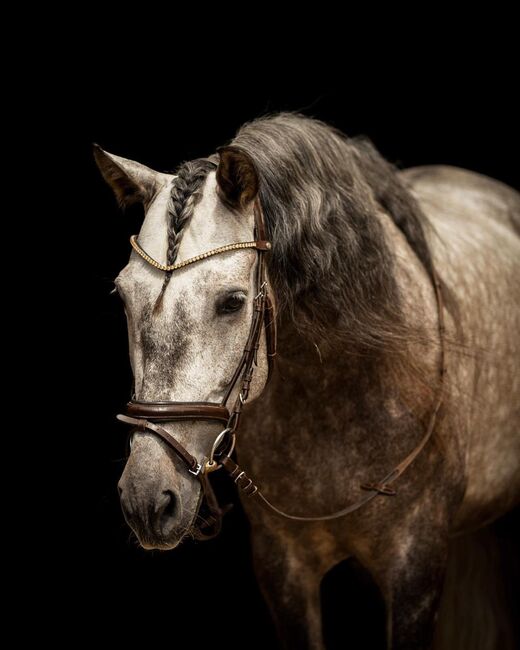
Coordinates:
(461, 112)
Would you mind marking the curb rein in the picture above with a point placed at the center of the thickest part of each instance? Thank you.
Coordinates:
(143, 416)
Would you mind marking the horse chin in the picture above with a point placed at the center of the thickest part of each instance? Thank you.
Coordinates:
(155, 545)
(154, 540)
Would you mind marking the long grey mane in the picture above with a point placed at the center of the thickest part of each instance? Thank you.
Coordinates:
(330, 266)
(330, 263)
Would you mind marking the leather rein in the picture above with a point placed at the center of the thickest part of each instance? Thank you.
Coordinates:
(145, 416)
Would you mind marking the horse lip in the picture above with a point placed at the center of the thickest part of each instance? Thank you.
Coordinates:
(153, 542)
(159, 545)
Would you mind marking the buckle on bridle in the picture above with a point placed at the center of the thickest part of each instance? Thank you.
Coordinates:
(196, 470)
(260, 296)
(381, 488)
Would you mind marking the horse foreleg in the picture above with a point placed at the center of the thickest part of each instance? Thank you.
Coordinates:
(410, 574)
(290, 582)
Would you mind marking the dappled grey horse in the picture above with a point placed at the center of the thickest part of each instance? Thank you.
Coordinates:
(379, 279)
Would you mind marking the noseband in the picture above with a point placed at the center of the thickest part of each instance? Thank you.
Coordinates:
(144, 416)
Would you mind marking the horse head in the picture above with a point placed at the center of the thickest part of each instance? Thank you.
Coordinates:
(188, 328)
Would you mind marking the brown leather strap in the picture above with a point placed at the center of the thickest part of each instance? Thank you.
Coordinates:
(248, 487)
(209, 526)
(374, 489)
(143, 425)
(259, 220)
(249, 358)
(239, 476)
(245, 368)
(168, 411)
(270, 333)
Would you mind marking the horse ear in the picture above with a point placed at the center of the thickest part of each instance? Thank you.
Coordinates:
(236, 177)
(130, 181)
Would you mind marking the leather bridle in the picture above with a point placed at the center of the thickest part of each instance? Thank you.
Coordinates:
(144, 416)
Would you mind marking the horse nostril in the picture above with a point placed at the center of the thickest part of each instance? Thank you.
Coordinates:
(154, 515)
(171, 506)
(126, 505)
(167, 512)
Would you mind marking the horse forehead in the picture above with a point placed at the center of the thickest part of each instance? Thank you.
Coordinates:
(191, 283)
(211, 225)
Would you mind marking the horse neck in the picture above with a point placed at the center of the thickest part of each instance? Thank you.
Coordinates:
(330, 364)
(321, 385)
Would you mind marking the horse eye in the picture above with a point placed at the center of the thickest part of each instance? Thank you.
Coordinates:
(231, 303)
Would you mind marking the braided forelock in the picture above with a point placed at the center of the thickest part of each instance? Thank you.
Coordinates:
(184, 196)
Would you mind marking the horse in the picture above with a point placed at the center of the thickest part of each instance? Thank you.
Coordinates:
(395, 296)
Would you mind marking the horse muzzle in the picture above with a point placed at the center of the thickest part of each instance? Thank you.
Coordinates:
(150, 495)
